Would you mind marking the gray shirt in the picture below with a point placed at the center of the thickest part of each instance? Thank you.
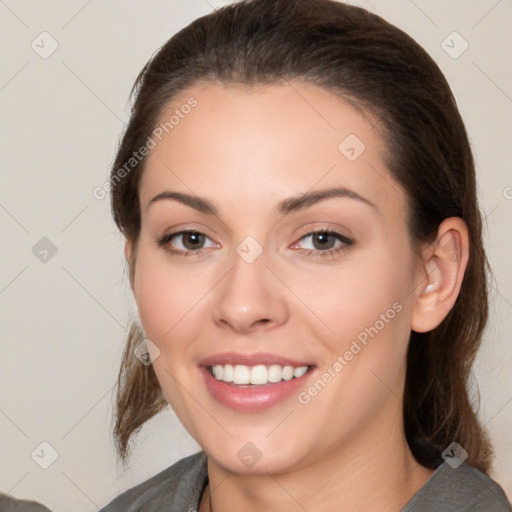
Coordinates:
(179, 489)
(10, 504)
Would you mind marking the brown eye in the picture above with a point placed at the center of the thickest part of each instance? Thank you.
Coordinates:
(186, 243)
(323, 241)
(322, 244)
(193, 241)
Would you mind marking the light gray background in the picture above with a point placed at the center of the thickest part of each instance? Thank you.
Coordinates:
(64, 320)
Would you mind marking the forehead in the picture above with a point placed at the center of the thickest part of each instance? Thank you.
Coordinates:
(259, 144)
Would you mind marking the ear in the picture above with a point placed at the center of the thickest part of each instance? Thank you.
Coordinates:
(440, 276)
(129, 252)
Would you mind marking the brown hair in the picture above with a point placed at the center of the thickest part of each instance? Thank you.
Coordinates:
(381, 70)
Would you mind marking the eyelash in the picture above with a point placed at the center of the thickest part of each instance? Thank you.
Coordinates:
(164, 243)
(317, 254)
(346, 243)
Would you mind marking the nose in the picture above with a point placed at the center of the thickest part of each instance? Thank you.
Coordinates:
(250, 297)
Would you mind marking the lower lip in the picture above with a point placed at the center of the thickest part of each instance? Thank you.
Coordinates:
(252, 398)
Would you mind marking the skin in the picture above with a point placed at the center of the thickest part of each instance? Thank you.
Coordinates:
(245, 149)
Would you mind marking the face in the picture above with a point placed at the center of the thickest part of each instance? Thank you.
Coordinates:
(275, 275)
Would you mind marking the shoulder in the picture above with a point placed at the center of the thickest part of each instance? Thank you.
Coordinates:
(464, 489)
(10, 504)
(179, 487)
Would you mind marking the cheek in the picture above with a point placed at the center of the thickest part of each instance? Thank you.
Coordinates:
(364, 293)
(376, 332)
(168, 299)
(367, 306)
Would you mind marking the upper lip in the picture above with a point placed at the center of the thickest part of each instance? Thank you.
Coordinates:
(265, 358)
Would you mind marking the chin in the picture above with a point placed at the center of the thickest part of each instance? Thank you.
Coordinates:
(257, 457)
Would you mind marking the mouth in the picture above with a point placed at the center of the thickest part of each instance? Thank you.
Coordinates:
(258, 375)
(250, 383)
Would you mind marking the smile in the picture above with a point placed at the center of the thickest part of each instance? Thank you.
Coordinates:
(253, 382)
(256, 375)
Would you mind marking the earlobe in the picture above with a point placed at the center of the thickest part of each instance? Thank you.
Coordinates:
(130, 259)
(128, 248)
(441, 275)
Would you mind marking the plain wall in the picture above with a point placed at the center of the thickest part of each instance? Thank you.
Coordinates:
(64, 319)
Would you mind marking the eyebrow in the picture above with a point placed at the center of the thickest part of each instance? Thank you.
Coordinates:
(289, 205)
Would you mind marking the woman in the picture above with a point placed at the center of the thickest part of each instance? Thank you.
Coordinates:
(297, 193)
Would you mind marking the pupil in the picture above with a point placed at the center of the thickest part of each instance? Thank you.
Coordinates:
(323, 239)
(193, 240)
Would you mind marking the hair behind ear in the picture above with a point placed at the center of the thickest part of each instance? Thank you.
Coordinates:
(437, 408)
(139, 395)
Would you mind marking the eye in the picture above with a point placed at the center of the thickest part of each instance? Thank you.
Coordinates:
(323, 242)
(186, 242)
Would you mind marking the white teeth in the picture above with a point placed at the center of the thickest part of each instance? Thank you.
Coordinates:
(241, 374)
(227, 373)
(288, 372)
(299, 372)
(218, 371)
(275, 373)
(256, 375)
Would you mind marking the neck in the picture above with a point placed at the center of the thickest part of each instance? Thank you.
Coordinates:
(373, 471)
